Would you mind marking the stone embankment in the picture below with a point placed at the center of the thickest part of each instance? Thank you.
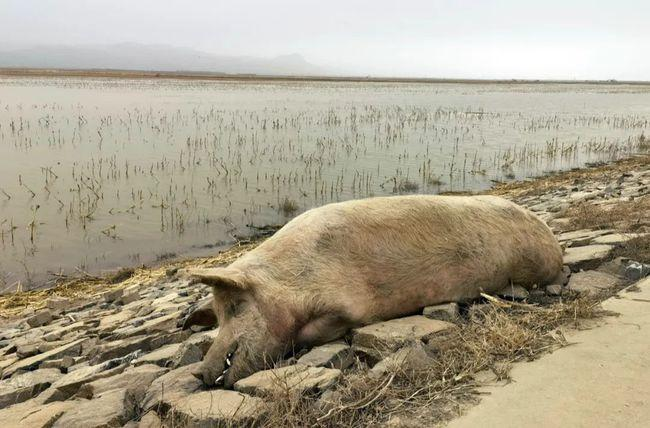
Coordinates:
(120, 359)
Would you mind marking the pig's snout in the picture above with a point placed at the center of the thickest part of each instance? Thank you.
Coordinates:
(210, 374)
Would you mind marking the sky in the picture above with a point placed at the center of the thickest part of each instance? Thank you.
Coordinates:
(551, 39)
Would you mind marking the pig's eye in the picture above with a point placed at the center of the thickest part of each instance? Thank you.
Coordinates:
(239, 307)
(234, 308)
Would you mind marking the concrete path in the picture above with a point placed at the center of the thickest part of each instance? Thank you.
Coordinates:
(601, 381)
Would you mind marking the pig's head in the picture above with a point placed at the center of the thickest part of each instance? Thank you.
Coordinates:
(249, 337)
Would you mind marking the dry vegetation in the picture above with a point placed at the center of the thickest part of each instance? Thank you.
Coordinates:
(88, 287)
(637, 249)
(629, 216)
(606, 173)
(493, 336)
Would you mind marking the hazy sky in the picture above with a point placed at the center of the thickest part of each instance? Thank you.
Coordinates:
(594, 39)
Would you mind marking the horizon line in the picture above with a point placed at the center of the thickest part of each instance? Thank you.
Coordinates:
(216, 75)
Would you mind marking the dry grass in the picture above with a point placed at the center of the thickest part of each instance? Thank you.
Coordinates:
(289, 207)
(406, 186)
(549, 183)
(494, 336)
(86, 286)
(629, 216)
(637, 249)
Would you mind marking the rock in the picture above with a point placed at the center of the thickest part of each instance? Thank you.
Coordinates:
(187, 353)
(616, 238)
(444, 312)
(150, 420)
(52, 336)
(58, 333)
(554, 290)
(160, 357)
(145, 310)
(40, 318)
(295, 379)
(592, 281)
(635, 271)
(581, 196)
(162, 323)
(587, 257)
(167, 298)
(48, 346)
(27, 385)
(581, 237)
(79, 365)
(615, 266)
(61, 364)
(412, 358)
(560, 208)
(218, 408)
(69, 384)
(50, 395)
(110, 322)
(129, 298)
(335, 355)
(27, 350)
(393, 334)
(119, 348)
(57, 303)
(31, 414)
(71, 348)
(127, 359)
(112, 295)
(110, 409)
(89, 346)
(513, 292)
(204, 339)
(542, 206)
(559, 223)
(171, 388)
(134, 379)
(171, 338)
(6, 363)
(633, 191)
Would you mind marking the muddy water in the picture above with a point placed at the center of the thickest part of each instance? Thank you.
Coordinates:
(101, 173)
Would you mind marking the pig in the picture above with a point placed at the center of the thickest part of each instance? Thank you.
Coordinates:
(353, 263)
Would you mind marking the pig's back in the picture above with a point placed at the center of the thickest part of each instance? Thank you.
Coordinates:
(405, 249)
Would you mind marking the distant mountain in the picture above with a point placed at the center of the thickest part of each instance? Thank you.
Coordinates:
(132, 56)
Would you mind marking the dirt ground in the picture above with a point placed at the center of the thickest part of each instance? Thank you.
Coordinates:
(602, 379)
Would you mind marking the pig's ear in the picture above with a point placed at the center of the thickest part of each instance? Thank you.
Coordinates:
(220, 278)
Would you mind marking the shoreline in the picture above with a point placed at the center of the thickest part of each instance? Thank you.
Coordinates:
(95, 344)
(216, 76)
(90, 286)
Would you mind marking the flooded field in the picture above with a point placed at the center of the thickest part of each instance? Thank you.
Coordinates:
(101, 173)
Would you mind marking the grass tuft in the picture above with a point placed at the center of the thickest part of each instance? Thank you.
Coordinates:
(289, 207)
